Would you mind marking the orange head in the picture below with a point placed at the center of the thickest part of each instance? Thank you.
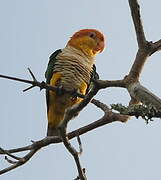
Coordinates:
(89, 41)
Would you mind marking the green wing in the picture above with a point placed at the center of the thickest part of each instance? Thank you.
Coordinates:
(49, 72)
(94, 76)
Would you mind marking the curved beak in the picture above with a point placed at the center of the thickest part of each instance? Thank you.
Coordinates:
(100, 46)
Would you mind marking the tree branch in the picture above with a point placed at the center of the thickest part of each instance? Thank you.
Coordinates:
(146, 112)
(70, 113)
(108, 117)
(73, 152)
(137, 66)
(41, 85)
(142, 94)
(156, 46)
(20, 162)
(135, 13)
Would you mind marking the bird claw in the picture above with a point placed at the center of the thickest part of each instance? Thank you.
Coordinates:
(59, 90)
(74, 93)
(42, 85)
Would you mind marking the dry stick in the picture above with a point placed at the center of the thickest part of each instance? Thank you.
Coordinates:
(25, 148)
(145, 48)
(101, 105)
(156, 46)
(146, 112)
(135, 89)
(137, 67)
(19, 162)
(73, 152)
(142, 53)
(65, 141)
(70, 113)
(80, 145)
(135, 13)
(41, 85)
(114, 83)
(106, 119)
(37, 145)
(145, 96)
(9, 154)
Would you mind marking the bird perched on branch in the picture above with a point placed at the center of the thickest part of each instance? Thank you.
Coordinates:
(71, 68)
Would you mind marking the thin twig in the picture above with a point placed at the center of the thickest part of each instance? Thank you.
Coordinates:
(73, 152)
(41, 85)
(100, 105)
(9, 154)
(107, 119)
(80, 145)
(70, 113)
(19, 162)
(31, 73)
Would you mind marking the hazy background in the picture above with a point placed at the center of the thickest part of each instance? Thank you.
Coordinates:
(30, 30)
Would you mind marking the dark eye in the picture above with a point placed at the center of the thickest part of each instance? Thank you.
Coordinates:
(92, 34)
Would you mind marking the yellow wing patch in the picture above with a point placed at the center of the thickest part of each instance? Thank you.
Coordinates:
(55, 78)
(59, 104)
(82, 90)
(54, 116)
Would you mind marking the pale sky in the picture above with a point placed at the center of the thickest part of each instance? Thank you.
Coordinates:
(30, 30)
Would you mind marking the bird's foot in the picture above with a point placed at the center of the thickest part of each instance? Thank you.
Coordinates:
(59, 90)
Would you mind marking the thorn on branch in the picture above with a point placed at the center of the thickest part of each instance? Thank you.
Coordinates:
(33, 76)
(80, 145)
(34, 80)
(28, 88)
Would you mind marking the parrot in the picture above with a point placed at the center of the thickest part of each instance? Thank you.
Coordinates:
(71, 68)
